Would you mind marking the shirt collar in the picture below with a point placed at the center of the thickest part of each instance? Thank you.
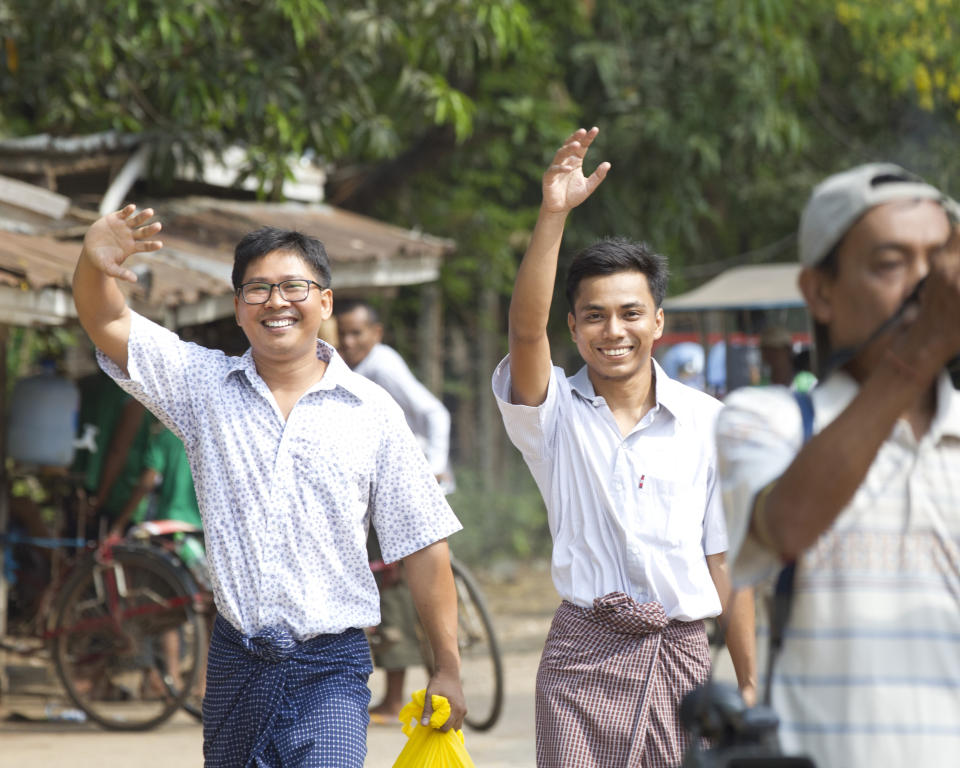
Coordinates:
(338, 373)
(665, 391)
(946, 421)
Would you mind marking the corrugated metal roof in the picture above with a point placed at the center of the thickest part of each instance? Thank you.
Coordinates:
(194, 266)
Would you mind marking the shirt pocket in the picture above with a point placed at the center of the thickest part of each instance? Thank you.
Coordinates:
(673, 514)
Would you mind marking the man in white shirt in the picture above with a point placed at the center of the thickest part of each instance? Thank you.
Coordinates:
(360, 343)
(293, 457)
(624, 459)
(360, 340)
(869, 507)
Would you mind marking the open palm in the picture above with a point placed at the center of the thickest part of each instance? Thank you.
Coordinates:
(564, 185)
(112, 239)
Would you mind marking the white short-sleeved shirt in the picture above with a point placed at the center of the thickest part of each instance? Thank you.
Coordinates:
(635, 514)
(427, 416)
(286, 505)
(869, 674)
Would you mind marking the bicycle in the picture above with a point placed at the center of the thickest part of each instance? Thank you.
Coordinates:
(127, 636)
(121, 623)
(481, 662)
(167, 534)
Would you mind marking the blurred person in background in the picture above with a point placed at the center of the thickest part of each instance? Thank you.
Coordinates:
(395, 643)
(780, 365)
(110, 467)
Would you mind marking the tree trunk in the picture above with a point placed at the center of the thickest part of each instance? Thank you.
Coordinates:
(487, 417)
(4, 500)
(429, 339)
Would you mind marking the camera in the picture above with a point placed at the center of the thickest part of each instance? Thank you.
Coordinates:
(739, 736)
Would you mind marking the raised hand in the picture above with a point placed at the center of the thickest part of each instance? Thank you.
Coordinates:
(564, 185)
(939, 312)
(112, 239)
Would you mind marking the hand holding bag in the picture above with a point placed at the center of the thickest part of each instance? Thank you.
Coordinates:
(426, 746)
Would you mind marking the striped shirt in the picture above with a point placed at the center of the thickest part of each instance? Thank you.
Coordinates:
(870, 669)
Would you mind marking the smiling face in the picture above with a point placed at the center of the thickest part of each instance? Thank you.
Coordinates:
(281, 330)
(879, 263)
(614, 324)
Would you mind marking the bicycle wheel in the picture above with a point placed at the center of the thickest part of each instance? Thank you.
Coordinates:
(126, 639)
(193, 702)
(480, 660)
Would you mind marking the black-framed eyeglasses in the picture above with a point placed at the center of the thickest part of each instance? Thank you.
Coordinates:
(290, 290)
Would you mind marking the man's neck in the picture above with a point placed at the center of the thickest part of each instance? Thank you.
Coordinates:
(290, 375)
(629, 399)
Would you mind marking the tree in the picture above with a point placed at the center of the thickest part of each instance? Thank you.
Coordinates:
(719, 116)
(341, 79)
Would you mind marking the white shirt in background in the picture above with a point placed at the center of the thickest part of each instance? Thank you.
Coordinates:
(425, 414)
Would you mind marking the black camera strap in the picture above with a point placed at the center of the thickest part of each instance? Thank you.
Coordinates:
(783, 592)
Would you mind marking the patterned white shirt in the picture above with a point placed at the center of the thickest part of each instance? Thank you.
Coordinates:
(286, 505)
(869, 674)
(632, 514)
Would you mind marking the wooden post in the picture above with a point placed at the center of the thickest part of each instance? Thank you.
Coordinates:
(4, 500)
(488, 422)
(429, 339)
(464, 414)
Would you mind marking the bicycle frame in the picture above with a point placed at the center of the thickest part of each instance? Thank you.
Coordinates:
(110, 585)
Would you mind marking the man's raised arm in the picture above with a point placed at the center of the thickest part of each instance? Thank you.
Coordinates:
(564, 188)
(101, 305)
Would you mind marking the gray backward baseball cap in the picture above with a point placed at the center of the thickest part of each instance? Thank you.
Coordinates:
(840, 200)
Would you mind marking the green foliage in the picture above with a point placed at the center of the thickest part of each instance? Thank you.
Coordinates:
(28, 347)
(507, 522)
(910, 45)
(718, 116)
(340, 78)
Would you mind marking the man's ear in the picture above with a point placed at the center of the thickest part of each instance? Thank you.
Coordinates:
(572, 325)
(378, 332)
(817, 289)
(326, 304)
(658, 331)
(236, 308)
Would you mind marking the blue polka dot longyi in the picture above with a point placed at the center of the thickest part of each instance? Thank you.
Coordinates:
(272, 701)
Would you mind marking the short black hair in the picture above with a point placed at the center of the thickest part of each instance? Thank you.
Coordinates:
(344, 306)
(618, 254)
(260, 242)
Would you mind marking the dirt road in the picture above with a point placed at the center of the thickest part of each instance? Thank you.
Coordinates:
(522, 604)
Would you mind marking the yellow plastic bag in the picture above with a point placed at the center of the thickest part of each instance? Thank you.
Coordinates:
(426, 746)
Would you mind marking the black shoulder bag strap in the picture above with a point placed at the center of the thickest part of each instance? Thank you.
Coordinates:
(783, 592)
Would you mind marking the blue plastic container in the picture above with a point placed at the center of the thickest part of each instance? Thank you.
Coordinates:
(43, 420)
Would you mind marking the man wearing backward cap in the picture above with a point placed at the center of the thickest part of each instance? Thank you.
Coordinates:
(868, 502)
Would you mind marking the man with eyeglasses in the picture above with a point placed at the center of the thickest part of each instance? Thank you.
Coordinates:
(293, 456)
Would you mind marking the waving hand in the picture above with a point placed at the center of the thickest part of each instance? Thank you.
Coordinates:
(112, 239)
(564, 185)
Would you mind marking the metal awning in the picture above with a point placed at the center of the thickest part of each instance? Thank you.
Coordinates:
(756, 286)
(189, 280)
